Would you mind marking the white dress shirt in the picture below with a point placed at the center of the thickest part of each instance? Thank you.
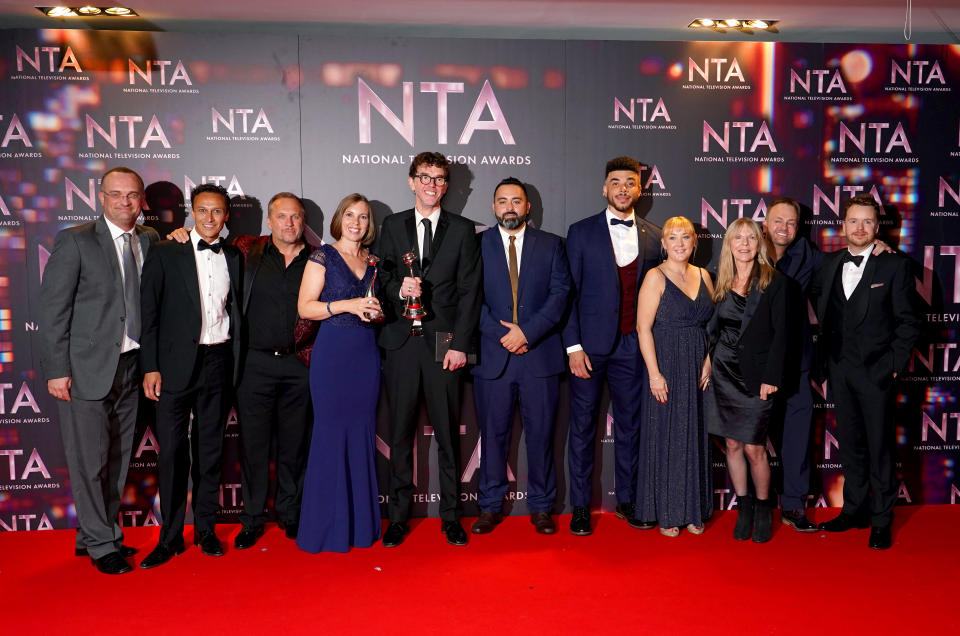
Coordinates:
(214, 279)
(517, 243)
(434, 218)
(851, 274)
(116, 234)
(626, 245)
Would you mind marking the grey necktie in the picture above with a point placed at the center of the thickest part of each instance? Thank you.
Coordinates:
(131, 289)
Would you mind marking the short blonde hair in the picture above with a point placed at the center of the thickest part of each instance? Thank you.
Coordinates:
(681, 223)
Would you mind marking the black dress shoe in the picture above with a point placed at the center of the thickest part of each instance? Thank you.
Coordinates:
(543, 523)
(113, 563)
(628, 512)
(486, 522)
(289, 529)
(209, 543)
(456, 535)
(395, 534)
(844, 522)
(797, 519)
(160, 555)
(580, 523)
(247, 538)
(880, 538)
(125, 551)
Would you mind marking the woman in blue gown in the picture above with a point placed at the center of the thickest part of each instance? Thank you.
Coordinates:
(340, 506)
(673, 308)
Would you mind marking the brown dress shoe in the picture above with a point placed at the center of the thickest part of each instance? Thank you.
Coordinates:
(486, 522)
(543, 523)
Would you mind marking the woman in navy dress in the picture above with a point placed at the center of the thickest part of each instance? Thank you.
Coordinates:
(672, 312)
(340, 506)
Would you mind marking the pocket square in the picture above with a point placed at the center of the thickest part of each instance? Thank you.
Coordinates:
(875, 285)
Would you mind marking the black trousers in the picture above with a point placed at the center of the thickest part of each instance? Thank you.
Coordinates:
(193, 450)
(408, 371)
(865, 431)
(790, 433)
(274, 391)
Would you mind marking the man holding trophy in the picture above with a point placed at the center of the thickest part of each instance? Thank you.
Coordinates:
(431, 292)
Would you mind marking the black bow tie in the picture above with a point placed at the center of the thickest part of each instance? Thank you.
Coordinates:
(850, 258)
(616, 221)
(203, 245)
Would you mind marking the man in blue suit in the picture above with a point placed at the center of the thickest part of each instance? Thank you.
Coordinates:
(526, 282)
(609, 253)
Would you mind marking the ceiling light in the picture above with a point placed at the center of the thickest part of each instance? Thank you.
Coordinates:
(87, 11)
(741, 24)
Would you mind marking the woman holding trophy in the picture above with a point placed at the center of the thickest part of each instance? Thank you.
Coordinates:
(340, 508)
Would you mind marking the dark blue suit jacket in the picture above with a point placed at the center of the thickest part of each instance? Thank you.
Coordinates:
(594, 318)
(542, 295)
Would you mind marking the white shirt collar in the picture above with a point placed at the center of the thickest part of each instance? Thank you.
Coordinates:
(434, 217)
(116, 231)
(611, 215)
(195, 239)
(506, 235)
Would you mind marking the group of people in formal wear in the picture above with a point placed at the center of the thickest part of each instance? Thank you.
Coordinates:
(302, 336)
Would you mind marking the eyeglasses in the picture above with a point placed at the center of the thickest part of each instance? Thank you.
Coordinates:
(425, 179)
(129, 196)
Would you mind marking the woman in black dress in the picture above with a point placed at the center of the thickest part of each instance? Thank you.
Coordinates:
(748, 342)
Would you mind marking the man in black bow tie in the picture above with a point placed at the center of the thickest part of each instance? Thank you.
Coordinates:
(869, 323)
(190, 297)
(609, 253)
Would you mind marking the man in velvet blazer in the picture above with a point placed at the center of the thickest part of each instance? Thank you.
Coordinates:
(191, 298)
(869, 323)
(526, 284)
(609, 253)
(448, 281)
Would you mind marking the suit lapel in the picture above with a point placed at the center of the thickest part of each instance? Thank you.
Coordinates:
(860, 298)
(188, 271)
(526, 258)
(829, 276)
(233, 269)
(254, 259)
(108, 248)
(753, 301)
(609, 257)
(144, 244)
(438, 234)
(411, 226)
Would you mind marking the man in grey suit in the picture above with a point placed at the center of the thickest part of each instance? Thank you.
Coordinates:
(90, 356)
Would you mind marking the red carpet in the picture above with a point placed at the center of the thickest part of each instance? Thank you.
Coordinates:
(512, 581)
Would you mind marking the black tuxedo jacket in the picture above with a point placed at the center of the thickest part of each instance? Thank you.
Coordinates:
(170, 311)
(452, 281)
(884, 314)
(764, 334)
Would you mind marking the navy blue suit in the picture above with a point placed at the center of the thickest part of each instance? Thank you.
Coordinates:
(594, 323)
(502, 378)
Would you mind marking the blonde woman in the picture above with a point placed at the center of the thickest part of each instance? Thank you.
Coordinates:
(672, 312)
(748, 344)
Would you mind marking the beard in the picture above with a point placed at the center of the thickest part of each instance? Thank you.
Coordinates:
(512, 222)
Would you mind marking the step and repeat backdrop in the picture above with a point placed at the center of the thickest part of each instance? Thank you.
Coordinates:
(721, 129)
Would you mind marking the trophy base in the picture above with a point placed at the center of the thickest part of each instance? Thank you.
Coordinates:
(416, 330)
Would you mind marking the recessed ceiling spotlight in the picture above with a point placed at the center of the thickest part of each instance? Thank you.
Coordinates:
(88, 10)
(118, 11)
(758, 24)
(731, 22)
(59, 12)
(703, 22)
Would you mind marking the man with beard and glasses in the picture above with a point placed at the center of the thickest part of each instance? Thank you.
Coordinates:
(609, 254)
(526, 282)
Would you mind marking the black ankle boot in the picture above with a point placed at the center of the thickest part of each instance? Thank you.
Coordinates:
(741, 532)
(762, 521)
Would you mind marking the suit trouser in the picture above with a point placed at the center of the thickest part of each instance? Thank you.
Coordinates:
(408, 370)
(865, 431)
(193, 450)
(495, 401)
(794, 443)
(273, 390)
(625, 373)
(97, 441)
